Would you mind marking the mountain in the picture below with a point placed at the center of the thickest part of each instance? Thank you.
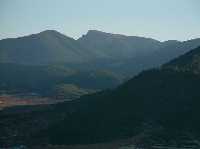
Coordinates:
(46, 47)
(40, 62)
(172, 50)
(115, 46)
(43, 62)
(168, 51)
(158, 106)
(132, 54)
(119, 54)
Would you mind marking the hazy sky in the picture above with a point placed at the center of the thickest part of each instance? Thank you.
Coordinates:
(160, 19)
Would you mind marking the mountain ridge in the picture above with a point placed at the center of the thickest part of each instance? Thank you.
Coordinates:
(114, 52)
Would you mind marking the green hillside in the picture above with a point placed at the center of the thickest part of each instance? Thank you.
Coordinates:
(46, 80)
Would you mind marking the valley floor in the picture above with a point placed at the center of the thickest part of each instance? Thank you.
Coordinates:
(7, 100)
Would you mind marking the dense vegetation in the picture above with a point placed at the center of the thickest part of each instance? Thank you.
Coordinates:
(155, 99)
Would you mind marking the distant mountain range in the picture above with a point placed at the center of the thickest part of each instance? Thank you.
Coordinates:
(125, 55)
(158, 106)
(42, 63)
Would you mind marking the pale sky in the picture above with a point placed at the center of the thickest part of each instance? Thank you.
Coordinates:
(159, 19)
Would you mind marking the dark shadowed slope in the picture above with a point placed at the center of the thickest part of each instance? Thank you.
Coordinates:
(189, 62)
(173, 49)
(163, 105)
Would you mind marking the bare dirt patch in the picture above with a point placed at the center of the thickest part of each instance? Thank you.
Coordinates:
(14, 100)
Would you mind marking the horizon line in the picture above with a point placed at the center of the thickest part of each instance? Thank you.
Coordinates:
(76, 38)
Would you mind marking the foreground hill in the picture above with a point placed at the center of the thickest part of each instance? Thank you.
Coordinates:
(159, 106)
(189, 62)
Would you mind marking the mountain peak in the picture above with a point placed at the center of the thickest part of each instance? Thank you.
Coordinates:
(96, 32)
(171, 41)
(92, 34)
(54, 34)
(47, 32)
